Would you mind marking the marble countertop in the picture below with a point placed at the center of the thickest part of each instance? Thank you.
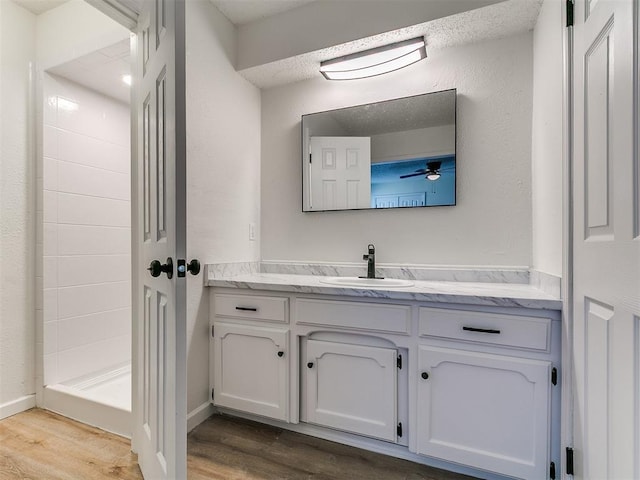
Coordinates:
(471, 293)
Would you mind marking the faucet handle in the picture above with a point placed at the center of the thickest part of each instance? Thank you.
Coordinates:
(365, 256)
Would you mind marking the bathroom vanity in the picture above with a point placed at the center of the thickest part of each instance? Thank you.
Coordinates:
(454, 374)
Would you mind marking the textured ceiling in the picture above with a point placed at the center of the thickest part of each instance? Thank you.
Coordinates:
(398, 115)
(39, 6)
(101, 70)
(492, 22)
(240, 12)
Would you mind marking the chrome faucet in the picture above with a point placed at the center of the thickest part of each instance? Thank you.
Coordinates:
(371, 261)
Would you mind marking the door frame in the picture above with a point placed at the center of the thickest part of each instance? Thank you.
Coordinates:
(567, 400)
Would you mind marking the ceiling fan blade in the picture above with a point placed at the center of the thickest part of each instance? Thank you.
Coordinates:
(413, 174)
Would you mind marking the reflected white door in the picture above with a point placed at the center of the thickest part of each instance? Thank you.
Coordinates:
(160, 233)
(340, 173)
(606, 263)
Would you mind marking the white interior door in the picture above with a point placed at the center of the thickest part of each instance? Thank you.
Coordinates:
(606, 244)
(340, 173)
(160, 233)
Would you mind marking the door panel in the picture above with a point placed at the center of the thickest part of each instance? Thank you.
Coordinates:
(340, 173)
(606, 247)
(160, 402)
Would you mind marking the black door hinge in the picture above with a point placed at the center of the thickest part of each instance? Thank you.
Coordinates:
(310, 158)
(212, 394)
(569, 13)
(552, 471)
(554, 376)
(399, 362)
(399, 430)
(569, 454)
(212, 331)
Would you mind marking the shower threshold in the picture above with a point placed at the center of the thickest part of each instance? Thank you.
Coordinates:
(102, 399)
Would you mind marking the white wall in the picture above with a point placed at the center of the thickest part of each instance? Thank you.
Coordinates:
(546, 151)
(491, 224)
(87, 231)
(223, 171)
(17, 190)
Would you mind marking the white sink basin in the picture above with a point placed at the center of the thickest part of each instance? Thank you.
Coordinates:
(367, 282)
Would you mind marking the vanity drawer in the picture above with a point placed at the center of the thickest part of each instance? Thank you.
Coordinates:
(490, 328)
(373, 317)
(274, 309)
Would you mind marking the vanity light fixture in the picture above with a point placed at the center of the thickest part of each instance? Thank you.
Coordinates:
(375, 61)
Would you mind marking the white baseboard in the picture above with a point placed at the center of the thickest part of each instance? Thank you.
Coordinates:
(199, 415)
(18, 405)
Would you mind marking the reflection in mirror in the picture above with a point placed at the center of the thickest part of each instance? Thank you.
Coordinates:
(396, 153)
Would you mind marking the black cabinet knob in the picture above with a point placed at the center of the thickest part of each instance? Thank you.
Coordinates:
(424, 375)
(310, 365)
(281, 353)
(156, 268)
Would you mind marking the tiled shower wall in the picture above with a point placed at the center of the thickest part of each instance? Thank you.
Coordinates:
(86, 231)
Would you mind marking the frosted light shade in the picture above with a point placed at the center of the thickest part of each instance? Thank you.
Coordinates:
(375, 61)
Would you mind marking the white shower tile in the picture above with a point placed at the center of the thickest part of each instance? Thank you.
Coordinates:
(50, 272)
(50, 304)
(50, 109)
(80, 179)
(78, 331)
(50, 142)
(93, 152)
(87, 299)
(91, 269)
(80, 361)
(50, 239)
(51, 369)
(39, 296)
(83, 210)
(88, 240)
(50, 173)
(50, 341)
(50, 206)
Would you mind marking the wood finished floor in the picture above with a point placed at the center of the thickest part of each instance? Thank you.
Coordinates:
(37, 445)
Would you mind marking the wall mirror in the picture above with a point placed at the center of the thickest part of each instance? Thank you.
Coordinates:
(392, 154)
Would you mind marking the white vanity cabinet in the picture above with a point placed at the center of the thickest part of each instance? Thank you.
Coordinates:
(467, 385)
(250, 354)
(352, 388)
(486, 410)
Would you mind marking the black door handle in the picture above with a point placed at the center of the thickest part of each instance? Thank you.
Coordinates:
(156, 268)
(194, 267)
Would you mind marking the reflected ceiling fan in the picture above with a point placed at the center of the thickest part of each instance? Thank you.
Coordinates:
(431, 172)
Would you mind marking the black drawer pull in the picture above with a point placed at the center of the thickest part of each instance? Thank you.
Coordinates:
(247, 309)
(481, 330)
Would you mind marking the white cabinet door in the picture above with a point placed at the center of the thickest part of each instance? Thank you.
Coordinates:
(352, 388)
(486, 411)
(251, 369)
